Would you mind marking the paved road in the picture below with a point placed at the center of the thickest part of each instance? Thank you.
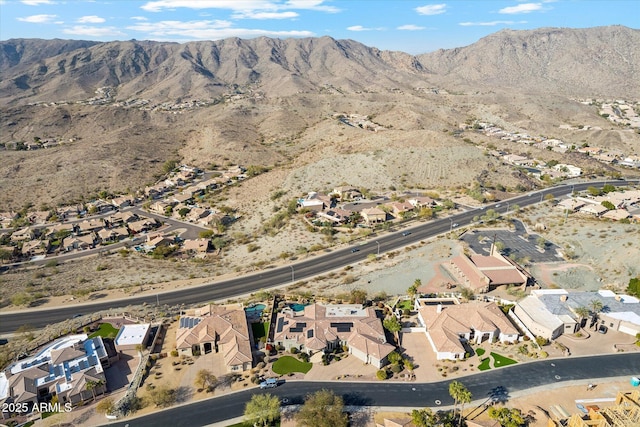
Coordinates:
(504, 381)
(269, 278)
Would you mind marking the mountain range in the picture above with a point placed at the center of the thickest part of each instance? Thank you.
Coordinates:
(270, 101)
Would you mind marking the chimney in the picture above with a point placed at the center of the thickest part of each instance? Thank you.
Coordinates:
(563, 298)
(439, 309)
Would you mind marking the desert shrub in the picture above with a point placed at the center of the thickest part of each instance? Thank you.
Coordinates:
(382, 374)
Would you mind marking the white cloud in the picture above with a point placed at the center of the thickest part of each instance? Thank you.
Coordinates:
(239, 5)
(37, 2)
(490, 23)
(38, 19)
(310, 5)
(521, 8)
(207, 30)
(361, 28)
(139, 18)
(88, 31)
(265, 15)
(432, 9)
(90, 19)
(411, 27)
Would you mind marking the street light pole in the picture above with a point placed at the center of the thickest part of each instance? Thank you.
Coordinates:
(378, 243)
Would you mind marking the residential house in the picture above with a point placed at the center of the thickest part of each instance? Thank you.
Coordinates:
(63, 369)
(69, 212)
(89, 226)
(325, 327)
(222, 329)
(592, 151)
(79, 242)
(422, 202)
(209, 184)
(550, 313)
(120, 218)
(337, 216)
(347, 192)
(6, 218)
(595, 210)
(39, 217)
(56, 230)
(570, 170)
(196, 214)
(571, 205)
(399, 209)
(22, 235)
(110, 235)
(196, 246)
(632, 162)
(122, 201)
(155, 240)
(482, 273)
(184, 198)
(161, 206)
(515, 159)
(314, 205)
(616, 215)
(449, 326)
(99, 206)
(35, 247)
(155, 191)
(142, 225)
(373, 215)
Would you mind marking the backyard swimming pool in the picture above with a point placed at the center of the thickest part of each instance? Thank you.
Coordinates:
(297, 307)
(255, 309)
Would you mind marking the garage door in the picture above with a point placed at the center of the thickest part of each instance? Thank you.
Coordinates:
(628, 330)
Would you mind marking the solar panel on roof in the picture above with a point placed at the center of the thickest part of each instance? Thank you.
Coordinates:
(310, 333)
(342, 326)
(280, 325)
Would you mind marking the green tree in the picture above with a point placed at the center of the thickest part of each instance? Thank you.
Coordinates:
(392, 324)
(413, 289)
(205, 379)
(426, 213)
(596, 307)
(607, 204)
(394, 357)
(634, 286)
(21, 298)
(423, 417)
(382, 374)
(594, 191)
(507, 417)
(206, 234)
(262, 409)
(218, 243)
(582, 312)
(608, 188)
(323, 409)
(183, 212)
(460, 395)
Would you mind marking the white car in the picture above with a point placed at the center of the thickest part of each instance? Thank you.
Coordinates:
(269, 383)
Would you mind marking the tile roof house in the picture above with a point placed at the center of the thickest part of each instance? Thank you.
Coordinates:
(616, 215)
(400, 208)
(62, 369)
(450, 327)
(22, 234)
(78, 242)
(197, 246)
(35, 247)
(122, 201)
(144, 224)
(325, 327)
(483, 273)
(595, 210)
(113, 234)
(222, 329)
(373, 215)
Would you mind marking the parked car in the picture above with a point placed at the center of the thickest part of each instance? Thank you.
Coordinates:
(269, 383)
(602, 329)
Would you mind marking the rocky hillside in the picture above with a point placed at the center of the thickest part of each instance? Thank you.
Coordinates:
(603, 61)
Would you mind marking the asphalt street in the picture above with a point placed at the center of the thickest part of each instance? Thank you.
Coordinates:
(496, 383)
(269, 278)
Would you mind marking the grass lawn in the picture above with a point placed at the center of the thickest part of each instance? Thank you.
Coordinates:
(405, 304)
(500, 360)
(480, 351)
(484, 364)
(105, 330)
(287, 364)
(259, 330)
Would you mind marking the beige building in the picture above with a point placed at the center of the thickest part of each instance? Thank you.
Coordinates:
(325, 327)
(220, 329)
(373, 215)
(449, 326)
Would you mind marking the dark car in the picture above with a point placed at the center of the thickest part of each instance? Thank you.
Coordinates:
(602, 329)
(355, 250)
(406, 233)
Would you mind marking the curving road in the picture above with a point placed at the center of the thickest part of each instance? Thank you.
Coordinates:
(503, 382)
(313, 266)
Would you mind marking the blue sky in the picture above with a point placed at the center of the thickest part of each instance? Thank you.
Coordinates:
(406, 25)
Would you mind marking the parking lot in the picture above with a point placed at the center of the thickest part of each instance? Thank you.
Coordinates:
(517, 242)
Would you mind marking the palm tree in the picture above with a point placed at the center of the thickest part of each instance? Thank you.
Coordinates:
(91, 385)
(413, 289)
(460, 394)
(583, 313)
(392, 324)
(596, 307)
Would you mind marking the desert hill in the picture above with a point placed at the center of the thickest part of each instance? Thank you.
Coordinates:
(121, 109)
